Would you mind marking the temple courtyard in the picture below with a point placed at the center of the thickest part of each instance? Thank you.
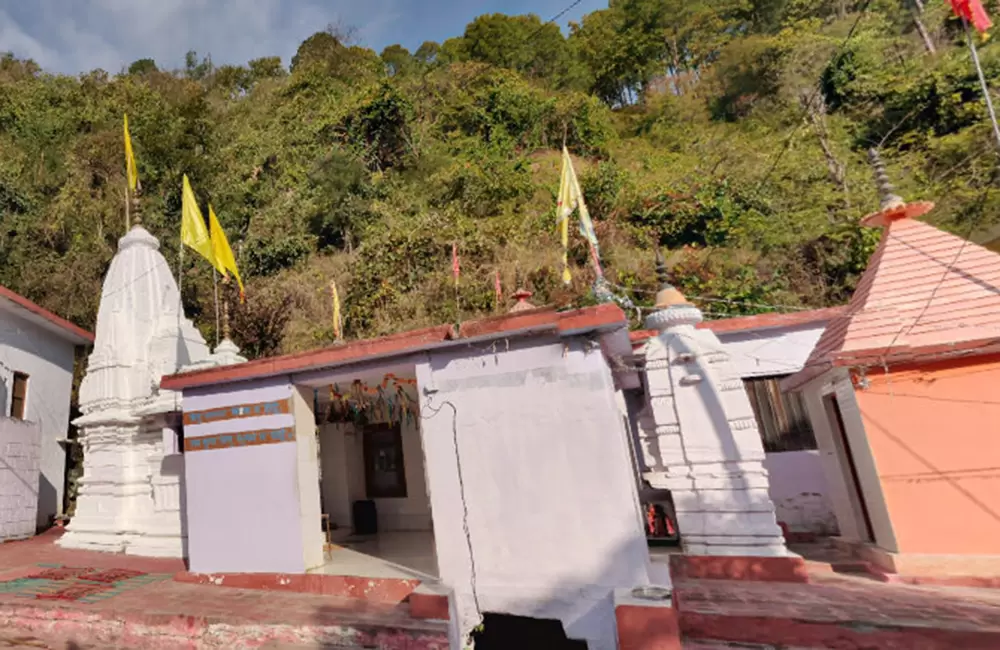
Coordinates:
(62, 599)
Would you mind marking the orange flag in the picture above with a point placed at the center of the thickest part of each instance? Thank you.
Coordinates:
(972, 11)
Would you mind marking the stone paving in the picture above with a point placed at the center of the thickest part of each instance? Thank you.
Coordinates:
(112, 600)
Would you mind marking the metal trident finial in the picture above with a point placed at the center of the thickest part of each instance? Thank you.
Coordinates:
(886, 193)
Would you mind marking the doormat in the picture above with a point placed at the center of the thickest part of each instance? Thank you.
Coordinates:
(83, 585)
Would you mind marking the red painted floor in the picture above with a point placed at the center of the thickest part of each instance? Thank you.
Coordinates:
(843, 612)
(46, 590)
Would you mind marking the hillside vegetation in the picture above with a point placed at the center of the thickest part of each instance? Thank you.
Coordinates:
(732, 133)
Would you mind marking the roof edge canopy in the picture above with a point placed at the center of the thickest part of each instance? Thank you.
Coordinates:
(600, 318)
(46, 319)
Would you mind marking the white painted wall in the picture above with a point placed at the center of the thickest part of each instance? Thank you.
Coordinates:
(547, 479)
(342, 452)
(20, 445)
(798, 484)
(799, 491)
(772, 351)
(48, 361)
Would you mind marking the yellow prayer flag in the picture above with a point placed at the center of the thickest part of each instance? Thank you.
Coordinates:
(194, 235)
(337, 324)
(223, 253)
(565, 205)
(130, 169)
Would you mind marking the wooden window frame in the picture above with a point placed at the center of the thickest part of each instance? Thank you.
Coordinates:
(19, 403)
(371, 449)
(782, 418)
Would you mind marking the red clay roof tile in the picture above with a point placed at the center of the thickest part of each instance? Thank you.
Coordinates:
(924, 291)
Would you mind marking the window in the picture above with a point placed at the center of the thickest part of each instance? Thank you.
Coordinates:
(385, 473)
(19, 396)
(781, 417)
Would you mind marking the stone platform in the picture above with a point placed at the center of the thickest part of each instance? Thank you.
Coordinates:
(837, 611)
(115, 601)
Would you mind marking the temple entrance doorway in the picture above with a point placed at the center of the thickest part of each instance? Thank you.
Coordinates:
(373, 490)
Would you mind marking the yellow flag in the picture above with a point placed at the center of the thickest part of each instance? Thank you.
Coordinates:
(130, 168)
(337, 323)
(223, 253)
(194, 235)
(565, 205)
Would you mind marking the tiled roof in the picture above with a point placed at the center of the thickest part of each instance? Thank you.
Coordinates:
(606, 316)
(758, 322)
(925, 292)
(66, 329)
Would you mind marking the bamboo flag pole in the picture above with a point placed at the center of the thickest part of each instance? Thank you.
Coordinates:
(215, 287)
(455, 270)
(982, 81)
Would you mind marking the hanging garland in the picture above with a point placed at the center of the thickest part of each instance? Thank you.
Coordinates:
(387, 402)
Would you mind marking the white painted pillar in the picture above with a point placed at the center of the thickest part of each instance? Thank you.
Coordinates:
(307, 461)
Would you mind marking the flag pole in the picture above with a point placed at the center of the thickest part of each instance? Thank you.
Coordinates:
(982, 80)
(128, 217)
(215, 286)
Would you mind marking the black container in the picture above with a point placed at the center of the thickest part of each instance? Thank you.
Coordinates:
(365, 518)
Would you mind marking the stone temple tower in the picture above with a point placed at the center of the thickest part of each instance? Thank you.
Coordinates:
(699, 437)
(130, 497)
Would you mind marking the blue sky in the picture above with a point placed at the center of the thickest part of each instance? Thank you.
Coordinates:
(73, 36)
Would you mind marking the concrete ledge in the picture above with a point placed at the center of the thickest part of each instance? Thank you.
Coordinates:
(430, 602)
(843, 636)
(645, 624)
(377, 590)
(168, 632)
(982, 571)
(721, 567)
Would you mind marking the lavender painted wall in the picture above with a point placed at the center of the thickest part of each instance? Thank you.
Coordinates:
(20, 447)
(548, 484)
(243, 512)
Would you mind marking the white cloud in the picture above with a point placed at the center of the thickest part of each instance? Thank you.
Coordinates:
(75, 36)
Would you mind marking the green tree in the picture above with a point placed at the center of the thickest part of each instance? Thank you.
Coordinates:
(142, 66)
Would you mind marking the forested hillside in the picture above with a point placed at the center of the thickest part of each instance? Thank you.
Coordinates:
(732, 133)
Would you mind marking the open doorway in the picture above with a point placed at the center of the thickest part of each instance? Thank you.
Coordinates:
(848, 466)
(373, 487)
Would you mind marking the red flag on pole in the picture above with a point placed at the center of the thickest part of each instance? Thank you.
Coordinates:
(454, 262)
(498, 288)
(972, 11)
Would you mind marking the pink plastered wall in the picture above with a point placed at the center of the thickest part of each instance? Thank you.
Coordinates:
(934, 432)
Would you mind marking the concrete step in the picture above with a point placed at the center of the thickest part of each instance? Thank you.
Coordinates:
(696, 644)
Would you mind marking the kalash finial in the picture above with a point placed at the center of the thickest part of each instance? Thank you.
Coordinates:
(668, 295)
(225, 318)
(891, 206)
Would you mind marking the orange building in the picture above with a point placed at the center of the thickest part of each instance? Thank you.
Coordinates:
(902, 391)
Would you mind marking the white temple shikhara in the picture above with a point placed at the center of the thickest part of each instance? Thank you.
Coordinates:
(131, 492)
(699, 437)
